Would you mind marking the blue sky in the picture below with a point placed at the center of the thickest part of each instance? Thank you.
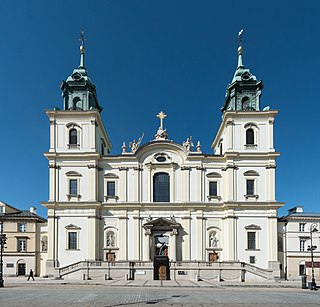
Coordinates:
(146, 56)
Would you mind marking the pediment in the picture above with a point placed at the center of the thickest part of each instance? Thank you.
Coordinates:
(72, 226)
(162, 223)
(253, 227)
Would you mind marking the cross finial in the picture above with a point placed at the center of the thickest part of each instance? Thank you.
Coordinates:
(161, 116)
(240, 42)
(83, 40)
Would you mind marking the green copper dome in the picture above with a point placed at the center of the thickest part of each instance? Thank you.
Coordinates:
(78, 92)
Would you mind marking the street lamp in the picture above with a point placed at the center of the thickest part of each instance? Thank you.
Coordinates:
(3, 240)
(311, 248)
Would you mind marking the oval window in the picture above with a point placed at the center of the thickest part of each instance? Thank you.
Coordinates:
(161, 159)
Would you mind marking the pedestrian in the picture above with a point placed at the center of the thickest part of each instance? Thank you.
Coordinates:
(31, 275)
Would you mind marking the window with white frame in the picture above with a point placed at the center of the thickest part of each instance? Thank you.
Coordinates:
(22, 245)
(251, 177)
(22, 227)
(73, 181)
(72, 234)
(252, 233)
(250, 187)
(73, 187)
(111, 187)
(161, 187)
(302, 227)
(251, 240)
(302, 245)
(73, 135)
(251, 130)
(72, 240)
(213, 185)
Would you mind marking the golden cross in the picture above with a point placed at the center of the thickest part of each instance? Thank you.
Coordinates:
(161, 115)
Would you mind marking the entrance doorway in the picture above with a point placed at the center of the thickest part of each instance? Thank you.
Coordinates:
(162, 271)
(21, 269)
(213, 256)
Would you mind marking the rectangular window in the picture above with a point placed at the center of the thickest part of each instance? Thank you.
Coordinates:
(22, 245)
(252, 259)
(10, 265)
(72, 240)
(302, 245)
(73, 187)
(1, 209)
(22, 227)
(213, 188)
(251, 240)
(250, 187)
(111, 188)
(302, 226)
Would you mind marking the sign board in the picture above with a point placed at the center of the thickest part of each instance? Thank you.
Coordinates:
(316, 264)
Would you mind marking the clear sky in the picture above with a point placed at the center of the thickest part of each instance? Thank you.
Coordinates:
(146, 56)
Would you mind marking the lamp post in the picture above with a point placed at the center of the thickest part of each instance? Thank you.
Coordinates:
(2, 244)
(311, 248)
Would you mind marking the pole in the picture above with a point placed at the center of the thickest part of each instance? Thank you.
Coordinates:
(313, 282)
(1, 251)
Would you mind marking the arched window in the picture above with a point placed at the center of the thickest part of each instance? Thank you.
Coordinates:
(250, 137)
(161, 187)
(73, 137)
(246, 104)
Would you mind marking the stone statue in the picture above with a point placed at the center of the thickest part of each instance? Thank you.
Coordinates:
(213, 241)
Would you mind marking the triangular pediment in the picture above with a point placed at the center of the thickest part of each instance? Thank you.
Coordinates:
(162, 223)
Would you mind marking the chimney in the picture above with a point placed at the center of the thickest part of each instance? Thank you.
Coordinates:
(33, 210)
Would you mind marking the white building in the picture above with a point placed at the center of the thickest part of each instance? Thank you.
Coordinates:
(163, 197)
(294, 231)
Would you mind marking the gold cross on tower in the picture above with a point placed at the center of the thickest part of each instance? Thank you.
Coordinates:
(161, 115)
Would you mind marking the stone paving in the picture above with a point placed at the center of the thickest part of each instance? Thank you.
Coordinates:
(49, 293)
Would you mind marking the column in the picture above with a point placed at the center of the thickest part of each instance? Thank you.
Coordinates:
(123, 195)
(146, 245)
(185, 182)
(123, 237)
(229, 237)
(199, 234)
(186, 241)
(92, 182)
(92, 238)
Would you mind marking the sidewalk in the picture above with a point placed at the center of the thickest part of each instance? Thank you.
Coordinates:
(22, 281)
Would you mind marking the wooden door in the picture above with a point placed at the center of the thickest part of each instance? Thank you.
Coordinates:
(213, 256)
(111, 257)
(162, 272)
(22, 269)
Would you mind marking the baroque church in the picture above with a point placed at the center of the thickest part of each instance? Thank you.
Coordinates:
(161, 197)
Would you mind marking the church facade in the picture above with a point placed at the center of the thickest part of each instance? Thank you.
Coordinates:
(161, 197)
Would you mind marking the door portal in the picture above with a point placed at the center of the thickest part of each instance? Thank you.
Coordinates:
(22, 269)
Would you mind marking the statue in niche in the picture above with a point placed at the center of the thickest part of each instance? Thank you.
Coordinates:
(213, 241)
(110, 239)
(44, 244)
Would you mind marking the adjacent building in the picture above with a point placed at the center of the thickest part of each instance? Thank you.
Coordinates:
(295, 231)
(162, 197)
(24, 246)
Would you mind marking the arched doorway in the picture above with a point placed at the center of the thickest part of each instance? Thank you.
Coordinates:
(21, 268)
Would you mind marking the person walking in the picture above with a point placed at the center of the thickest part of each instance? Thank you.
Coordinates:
(31, 275)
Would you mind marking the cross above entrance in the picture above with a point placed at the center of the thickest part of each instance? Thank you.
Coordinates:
(161, 116)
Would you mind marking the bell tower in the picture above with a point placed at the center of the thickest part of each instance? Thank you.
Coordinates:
(244, 92)
(78, 92)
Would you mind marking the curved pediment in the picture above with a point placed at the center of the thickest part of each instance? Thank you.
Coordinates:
(152, 151)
